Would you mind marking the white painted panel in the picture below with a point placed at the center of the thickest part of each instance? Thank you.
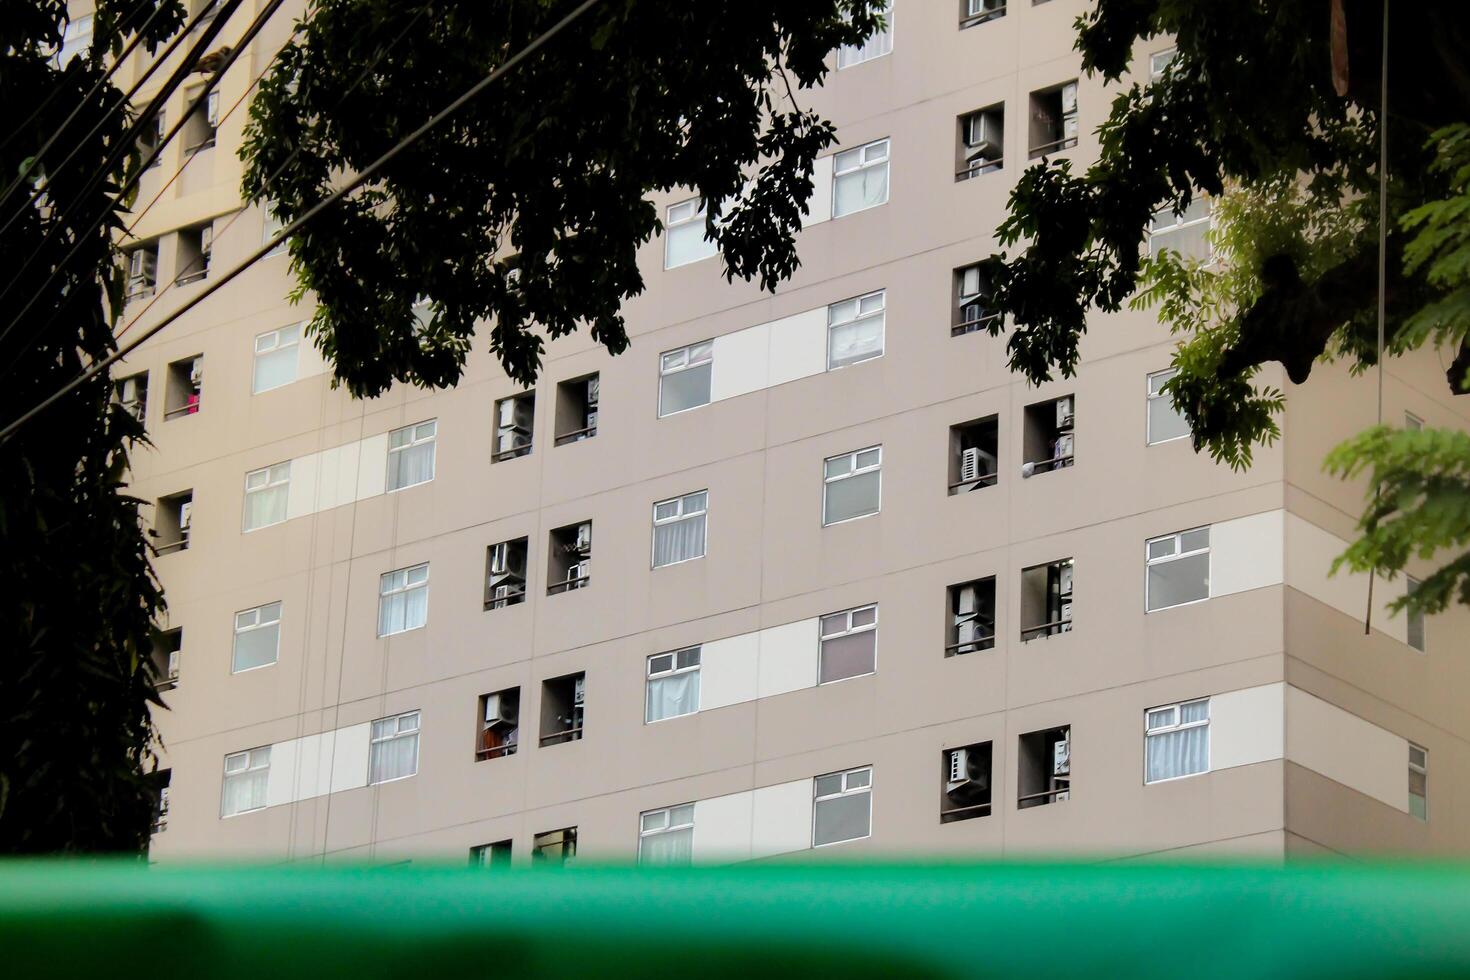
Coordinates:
(819, 206)
(301, 495)
(349, 763)
(722, 828)
(372, 467)
(798, 346)
(788, 658)
(782, 819)
(741, 362)
(280, 782)
(1343, 747)
(727, 671)
(309, 360)
(1247, 553)
(315, 754)
(1310, 551)
(1247, 726)
(336, 484)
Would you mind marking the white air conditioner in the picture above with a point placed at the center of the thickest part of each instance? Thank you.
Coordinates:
(499, 710)
(1065, 616)
(1064, 579)
(163, 803)
(970, 282)
(975, 463)
(143, 267)
(592, 391)
(1069, 98)
(578, 573)
(173, 666)
(1065, 794)
(983, 136)
(186, 514)
(1064, 445)
(1065, 414)
(196, 372)
(502, 593)
(584, 538)
(1061, 758)
(206, 243)
(500, 559)
(211, 110)
(579, 692)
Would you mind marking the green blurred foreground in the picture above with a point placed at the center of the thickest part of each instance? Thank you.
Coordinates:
(1313, 920)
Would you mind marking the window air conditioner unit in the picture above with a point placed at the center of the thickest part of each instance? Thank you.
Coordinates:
(983, 136)
(592, 392)
(1061, 758)
(503, 593)
(163, 803)
(975, 463)
(974, 8)
(143, 267)
(1065, 414)
(578, 573)
(499, 711)
(206, 243)
(970, 282)
(964, 770)
(211, 110)
(173, 666)
(1064, 579)
(1066, 616)
(515, 415)
(584, 538)
(579, 692)
(1069, 99)
(196, 372)
(1064, 445)
(186, 513)
(500, 559)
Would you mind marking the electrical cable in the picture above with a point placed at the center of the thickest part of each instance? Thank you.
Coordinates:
(362, 178)
(1382, 261)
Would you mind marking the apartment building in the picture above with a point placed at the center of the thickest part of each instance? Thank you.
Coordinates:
(808, 574)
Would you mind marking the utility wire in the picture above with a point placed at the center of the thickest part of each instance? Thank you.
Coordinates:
(362, 178)
(1382, 260)
(124, 100)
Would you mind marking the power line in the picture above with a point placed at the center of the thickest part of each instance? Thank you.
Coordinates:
(300, 222)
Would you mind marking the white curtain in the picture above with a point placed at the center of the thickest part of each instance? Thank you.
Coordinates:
(671, 847)
(410, 466)
(266, 507)
(678, 541)
(672, 696)
(403, 611)
(687, 243)
(856, 341)
(861, 189)
(256, 648)
(245, 791)
(275, 368)
(1178, 753)
(394, 758)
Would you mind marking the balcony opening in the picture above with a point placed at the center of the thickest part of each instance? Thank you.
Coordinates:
(966, 780)
(158, 782)
(494, 855)
(980, 142)
(195, 246)
(1046, 600)
(505, 574)
(167, 645)
(973, 447)
(142, 271)
(973, 13)
(562, 703)
(554, 846)
(971, 617)
(1053, 119)
(576, 409)
(185, 387)
(1044, 767)
(514, 417)
(1050, 438)
(132, 394)
(500, 723)
(201, 128)
(171, 518)
(569, 564)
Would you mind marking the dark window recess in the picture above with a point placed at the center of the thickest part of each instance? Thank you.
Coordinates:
(1050, 440)
(513, 420)
(562, 701)
(505, 574)
(195, 246)
(980, 146)
(171, 518)
(151, 138)
(200, 129)
(142, 271)
(569, 564)
(976, 12)
(972, 302)
(1044, 767)
(495, 855)
(966, 776)
(1053, 119)
(576, 409)
(167, 648)
(971, 617)
(158, 782)
(500, 723)
(1046, 600)
(554, 846)
(132, 394)
(973, 447)
(185, 387)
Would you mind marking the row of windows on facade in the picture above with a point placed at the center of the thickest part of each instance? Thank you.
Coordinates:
(1176, 746)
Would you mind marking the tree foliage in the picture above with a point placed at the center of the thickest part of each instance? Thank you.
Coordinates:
(80, 598)
(527, 208)
(1248, 113)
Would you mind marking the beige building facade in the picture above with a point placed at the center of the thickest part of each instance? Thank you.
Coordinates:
(808, 574)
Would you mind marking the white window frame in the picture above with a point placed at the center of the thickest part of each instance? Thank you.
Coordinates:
(272, 482)
(881, 313)
(849, 630)
(1154, 396)
(76, 39)
(701, 214)
(659, 522)
(1422, 769)
(257, 624)
(1414, 620)
(668, 827)
(1176, 725)
(251, 766)
(398, 733)
(1179, 224)
(274, 337)
(855, 471)
(408, 586)
(1179, 553)
(414, 441)
(652, 675)
(859, 55)
(845, 791)
(688, 363)
(1413, 422)
(863, 164)
(1155, 70)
